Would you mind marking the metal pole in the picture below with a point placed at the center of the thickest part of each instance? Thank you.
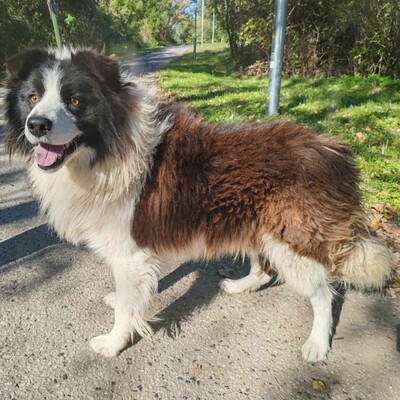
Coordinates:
(53, 15)
(213, 26)
(202, 23)
(275, 65)
(195, 30)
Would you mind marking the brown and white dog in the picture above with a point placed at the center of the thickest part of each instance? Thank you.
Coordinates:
(140, 181)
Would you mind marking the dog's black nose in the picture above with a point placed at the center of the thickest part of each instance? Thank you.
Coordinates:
(39, 126)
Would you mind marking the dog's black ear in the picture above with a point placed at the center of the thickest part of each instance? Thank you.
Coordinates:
(105, 69)
(20, 65)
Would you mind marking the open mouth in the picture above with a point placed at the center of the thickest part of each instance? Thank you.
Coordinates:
(50, 156)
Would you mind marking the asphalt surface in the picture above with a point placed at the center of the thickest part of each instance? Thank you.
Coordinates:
(155, 61)
(207, 345)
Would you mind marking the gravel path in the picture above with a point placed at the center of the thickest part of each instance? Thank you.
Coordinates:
(208, 346)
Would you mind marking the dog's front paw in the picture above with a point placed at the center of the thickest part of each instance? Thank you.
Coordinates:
(314, 350)
(109, 345)
(109, 300)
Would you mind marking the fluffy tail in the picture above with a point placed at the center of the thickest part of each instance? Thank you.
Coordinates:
(367, 265)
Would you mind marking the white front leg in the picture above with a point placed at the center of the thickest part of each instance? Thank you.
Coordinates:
(136, 281)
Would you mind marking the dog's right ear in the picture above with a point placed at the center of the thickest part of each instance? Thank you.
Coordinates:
(20, 65)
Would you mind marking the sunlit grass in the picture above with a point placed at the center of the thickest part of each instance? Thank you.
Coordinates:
(364, 111)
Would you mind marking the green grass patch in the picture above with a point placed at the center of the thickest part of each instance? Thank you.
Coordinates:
(364, 111)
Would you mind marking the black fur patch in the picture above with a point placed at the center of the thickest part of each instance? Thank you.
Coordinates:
(102, 114)
(22, 78)
(21, 65)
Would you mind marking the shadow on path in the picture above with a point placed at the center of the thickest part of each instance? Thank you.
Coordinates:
(18, 212)
(26, 243)
(205, 290)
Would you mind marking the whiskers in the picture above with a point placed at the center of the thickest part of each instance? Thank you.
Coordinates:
(14, 142)
(21, 134)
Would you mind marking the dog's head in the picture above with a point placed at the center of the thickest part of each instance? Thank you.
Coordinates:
(61, 101)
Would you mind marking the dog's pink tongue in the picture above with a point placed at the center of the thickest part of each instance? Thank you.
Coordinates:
(48, 154)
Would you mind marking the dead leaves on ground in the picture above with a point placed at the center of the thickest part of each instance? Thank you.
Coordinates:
(384, 225)
(383, 210)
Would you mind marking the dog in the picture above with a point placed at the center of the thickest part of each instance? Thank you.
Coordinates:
(141, 181)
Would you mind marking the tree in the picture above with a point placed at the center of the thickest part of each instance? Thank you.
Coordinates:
(323, 37)
(163, 19)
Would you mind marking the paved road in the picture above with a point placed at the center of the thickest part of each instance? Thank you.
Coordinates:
(154, 61)
(208, 347)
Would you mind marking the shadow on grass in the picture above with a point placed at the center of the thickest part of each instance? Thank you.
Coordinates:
(307, 116)
(344, 91)
(208, 94)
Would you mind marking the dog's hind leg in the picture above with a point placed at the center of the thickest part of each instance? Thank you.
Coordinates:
(135, 284)
(317, 345)
(253, 281)
(309, 278)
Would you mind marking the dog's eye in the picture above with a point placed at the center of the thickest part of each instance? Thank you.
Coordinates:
(74, 101)
(34, 98)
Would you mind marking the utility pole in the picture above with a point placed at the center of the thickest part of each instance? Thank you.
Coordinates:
(195, 30)
(275, 65)
(51, 4)
(213, 26)
(202, 23)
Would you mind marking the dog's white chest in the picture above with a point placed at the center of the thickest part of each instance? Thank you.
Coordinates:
(79, 214)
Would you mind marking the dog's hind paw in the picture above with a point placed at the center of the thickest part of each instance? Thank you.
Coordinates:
(249, 283)
(314, 351)
(109, 345)
(228, 286)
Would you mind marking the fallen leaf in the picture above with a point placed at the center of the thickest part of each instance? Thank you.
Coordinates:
(389, 212)
(375, 224)
(318, 385)
(360, 137)
(380, 207)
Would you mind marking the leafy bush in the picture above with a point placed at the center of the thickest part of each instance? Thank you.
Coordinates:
(94, 23)
(323, 37)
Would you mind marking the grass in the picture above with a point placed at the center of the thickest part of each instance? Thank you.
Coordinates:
(364, 111)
